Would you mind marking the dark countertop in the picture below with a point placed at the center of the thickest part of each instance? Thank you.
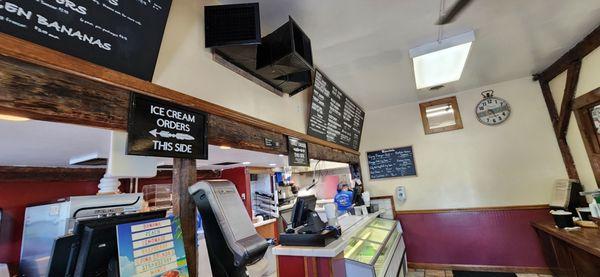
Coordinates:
(587, 239)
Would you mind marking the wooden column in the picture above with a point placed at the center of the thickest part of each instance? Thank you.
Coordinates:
(184, 175)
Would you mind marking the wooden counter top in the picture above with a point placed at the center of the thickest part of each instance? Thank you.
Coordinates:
(587, 239)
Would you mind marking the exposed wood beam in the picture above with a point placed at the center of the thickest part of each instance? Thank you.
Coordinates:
(184, 175)
(567, 101)
(560, 139)
(584, 47)
(48, 58)
(49, 174)
(42, 93)
(550, 104)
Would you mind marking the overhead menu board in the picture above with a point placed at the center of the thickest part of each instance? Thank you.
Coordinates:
(397, 162)
(163, 129)
(123, 35)
(333, 116)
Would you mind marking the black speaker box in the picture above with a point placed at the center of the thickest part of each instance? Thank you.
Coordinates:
(237, 24)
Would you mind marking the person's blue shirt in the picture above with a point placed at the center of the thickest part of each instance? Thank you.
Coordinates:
(343, 199)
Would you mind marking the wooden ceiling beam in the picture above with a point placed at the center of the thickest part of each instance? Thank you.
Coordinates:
(48, 58)
(567, 101)
(584, 47)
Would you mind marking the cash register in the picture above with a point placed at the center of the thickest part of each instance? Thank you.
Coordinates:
(306, 227)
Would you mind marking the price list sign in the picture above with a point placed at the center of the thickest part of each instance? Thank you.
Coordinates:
(151, 248)
(396, 162)
(333, 116)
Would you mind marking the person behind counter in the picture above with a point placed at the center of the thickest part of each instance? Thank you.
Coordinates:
(344, 198)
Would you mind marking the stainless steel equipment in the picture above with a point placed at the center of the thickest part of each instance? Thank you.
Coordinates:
(45, 223)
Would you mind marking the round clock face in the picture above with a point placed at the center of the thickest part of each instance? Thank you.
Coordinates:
(492, 110)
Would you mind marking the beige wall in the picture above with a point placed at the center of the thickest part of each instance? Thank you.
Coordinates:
(479, 166)
(589, 79)
(186, 66)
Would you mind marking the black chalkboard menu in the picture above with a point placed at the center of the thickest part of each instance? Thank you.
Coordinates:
(164, 129)
(333, 116)
(397, 162)
(123, 35)
(297, 152)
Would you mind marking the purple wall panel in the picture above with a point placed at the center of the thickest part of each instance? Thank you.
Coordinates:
(502, 238)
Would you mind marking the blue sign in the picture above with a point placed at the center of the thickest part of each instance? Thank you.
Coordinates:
(152, 248)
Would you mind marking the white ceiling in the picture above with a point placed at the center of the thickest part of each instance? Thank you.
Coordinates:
(363, 45)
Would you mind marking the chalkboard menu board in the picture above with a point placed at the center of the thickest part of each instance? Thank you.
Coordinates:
(397, 162)
(123, 35)
(333, 116)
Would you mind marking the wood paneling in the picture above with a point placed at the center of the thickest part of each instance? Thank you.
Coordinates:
(113, 80)
(184, 175)
(570, 253)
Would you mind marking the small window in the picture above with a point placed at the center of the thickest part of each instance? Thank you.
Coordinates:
(440, 115)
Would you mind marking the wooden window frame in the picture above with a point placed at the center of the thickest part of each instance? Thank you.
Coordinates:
(448, 100)
(581, 109)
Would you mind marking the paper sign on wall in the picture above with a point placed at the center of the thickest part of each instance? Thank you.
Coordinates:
(152, 248)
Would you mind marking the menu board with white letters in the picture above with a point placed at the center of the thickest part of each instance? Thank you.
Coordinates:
(124, 35)
(396, 162)
(333, 116)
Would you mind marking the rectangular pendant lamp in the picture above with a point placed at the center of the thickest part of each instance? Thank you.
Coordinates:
(441, 61)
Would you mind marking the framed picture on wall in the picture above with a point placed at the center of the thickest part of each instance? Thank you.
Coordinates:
(385, 202)
(441, 115)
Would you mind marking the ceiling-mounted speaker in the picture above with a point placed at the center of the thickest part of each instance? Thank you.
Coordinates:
(237, 24)
(288, 47)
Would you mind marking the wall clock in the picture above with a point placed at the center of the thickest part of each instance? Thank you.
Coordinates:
(492, 110)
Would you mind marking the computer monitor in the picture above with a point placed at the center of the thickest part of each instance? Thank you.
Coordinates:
(304, 205)
(94, 246)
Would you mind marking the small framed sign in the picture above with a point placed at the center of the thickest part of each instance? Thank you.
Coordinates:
(297, 152)
(163, 129)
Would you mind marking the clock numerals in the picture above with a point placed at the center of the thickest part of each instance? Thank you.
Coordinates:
(492, 111)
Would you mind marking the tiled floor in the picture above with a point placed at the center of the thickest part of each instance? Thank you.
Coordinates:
(448, 273)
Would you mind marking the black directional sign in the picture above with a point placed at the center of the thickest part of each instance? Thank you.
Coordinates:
(297, 152)
(163, 129)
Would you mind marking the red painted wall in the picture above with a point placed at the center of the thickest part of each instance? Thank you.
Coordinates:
(502, 238)
(240, 177)
(14, 197)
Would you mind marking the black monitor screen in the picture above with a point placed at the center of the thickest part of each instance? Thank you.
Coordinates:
(97, 251)
(300, 211)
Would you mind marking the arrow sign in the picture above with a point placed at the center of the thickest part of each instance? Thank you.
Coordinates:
(167, 134)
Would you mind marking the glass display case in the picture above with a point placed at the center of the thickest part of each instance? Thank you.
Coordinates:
(377, 250)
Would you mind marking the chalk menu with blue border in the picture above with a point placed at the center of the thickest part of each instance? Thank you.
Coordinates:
(152, 248)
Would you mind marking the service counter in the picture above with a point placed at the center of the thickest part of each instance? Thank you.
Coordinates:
(330, 260)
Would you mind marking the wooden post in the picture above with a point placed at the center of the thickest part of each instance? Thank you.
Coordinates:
(184, 175)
